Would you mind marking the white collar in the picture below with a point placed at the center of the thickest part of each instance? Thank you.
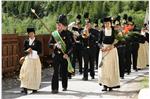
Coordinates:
(31, 41)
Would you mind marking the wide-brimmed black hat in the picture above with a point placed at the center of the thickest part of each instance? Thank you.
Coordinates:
(86, 15)
(118, 18)
(130, 18)
(78, 19)
(62, 19)
(125, 16)
(107, 19)
(30, 30)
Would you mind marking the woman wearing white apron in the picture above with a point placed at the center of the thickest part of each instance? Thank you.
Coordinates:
(30, 73)
(108, 72)
(142, 60)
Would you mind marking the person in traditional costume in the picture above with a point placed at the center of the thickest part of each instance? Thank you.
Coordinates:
(142, 60)
(88, 40)
(108, 71)
(134, 44)
(121, 47)
(30, 73)
(62, 42)
(76, 28)
(98, 41)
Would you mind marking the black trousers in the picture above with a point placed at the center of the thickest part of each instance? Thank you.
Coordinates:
(128, 58)
(122, 62)
(89, 56)
(77, 54)
(134, 54)
(60, 66)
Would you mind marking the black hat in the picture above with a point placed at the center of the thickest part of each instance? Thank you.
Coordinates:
(130, 18)
(78, 16)
(78, 19)
(107, 19)
(96, 22)
(102, 20)
(125, 16)
(118, 18)
(86, 15)
(62, 19)
(30, 30)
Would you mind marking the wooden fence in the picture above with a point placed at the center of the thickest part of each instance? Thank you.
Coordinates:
(12, 50)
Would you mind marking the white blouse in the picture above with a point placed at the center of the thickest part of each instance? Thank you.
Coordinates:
(31, 41)
(108, 32)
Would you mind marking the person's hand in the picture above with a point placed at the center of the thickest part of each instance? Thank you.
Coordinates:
(103, 49)
(29, 50)
(58, 45)
(65, 56)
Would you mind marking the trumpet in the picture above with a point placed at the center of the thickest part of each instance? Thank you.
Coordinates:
(85, 33)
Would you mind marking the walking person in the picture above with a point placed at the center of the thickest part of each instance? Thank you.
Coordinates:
(30, 73)
(108, 73)
(62, 43)
(88, 40)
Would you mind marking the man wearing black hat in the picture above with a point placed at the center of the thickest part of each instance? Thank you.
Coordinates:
(98, 42)
(60, 58)
(88, 39)
(124, 20)
(77, 53)
(30, 73)
(134, 45)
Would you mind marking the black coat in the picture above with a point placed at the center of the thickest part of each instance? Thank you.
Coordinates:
(67, 37)
(36, 45)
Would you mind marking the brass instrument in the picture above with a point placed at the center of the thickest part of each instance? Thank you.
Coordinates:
(85, 33)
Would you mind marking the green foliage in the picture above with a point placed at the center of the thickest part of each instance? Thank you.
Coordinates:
(17, 16)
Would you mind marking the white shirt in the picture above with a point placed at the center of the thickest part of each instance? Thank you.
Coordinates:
(34, 54)
(108, 32)
(31, 41)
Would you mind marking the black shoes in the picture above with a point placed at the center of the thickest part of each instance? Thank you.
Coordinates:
(136, 69)
(64, 89)
(105, 88)
(93, 77)
(110, 89)
(80, 73)
(69, 77)
(85, 79)
(24, 91)
(128, 73)
(122, 77)
(34, 91)
(54, 91)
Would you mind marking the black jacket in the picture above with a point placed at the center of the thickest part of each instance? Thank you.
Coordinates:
(67, 37)
(36, 45)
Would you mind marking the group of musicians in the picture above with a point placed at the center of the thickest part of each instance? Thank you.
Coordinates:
(108, 48)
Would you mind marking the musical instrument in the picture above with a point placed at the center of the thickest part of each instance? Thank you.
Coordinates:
(33, 11)
(85, 33)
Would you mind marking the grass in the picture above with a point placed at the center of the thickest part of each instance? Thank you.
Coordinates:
(145, 82)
